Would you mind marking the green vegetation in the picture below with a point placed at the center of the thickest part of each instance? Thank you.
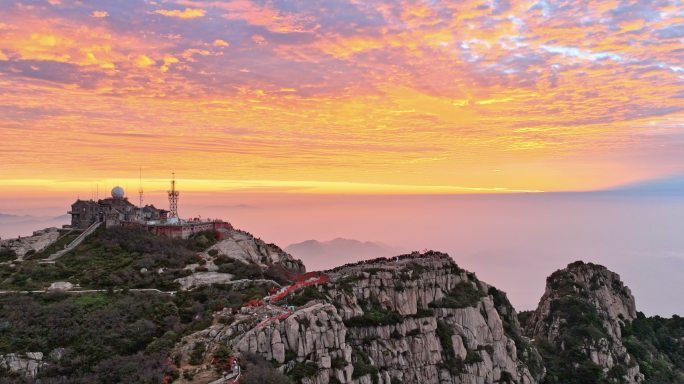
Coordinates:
(375, 317)
(128, 257)
(584, 325)
(463, 295)
(98, 336)
(421, 313)
(655, 343)
(305, 295)
(565, 360)
(197, 354)
(238, 268)
(7, 254)
(347, 284)
(103, 333)
(256, 370)
(363, 367)
(303, 370)
(338, 363)
(113, 257)
(241, 270)
(412, 271)
(452, 363)
(444, 333)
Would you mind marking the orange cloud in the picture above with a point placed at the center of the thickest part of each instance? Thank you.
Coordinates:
(376, 92)
(189, 52)
(100, 14)
(142, 61)
(187, 14)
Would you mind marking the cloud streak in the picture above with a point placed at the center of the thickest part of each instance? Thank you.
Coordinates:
(186, 14)
(395, 92)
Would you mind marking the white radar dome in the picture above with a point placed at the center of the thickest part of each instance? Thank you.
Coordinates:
(117, 192)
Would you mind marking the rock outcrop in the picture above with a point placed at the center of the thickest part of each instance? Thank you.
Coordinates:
(35, 243)
(583, 310)
(26, 365)
(379, 323)
(203, 278)
(243, 246)
(433, 344)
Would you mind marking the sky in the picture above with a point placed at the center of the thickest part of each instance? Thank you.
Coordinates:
(473, 95)
(422, 124)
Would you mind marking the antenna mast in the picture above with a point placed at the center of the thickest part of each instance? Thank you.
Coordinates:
(173, 198)
(140, 191)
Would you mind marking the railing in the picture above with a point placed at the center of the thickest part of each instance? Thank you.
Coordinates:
(77, 241)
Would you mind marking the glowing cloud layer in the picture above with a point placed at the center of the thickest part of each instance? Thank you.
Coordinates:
(431, 93)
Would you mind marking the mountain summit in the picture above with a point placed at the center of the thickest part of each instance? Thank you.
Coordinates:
(129, 306)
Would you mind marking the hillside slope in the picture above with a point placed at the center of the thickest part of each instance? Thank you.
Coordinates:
(227, 304)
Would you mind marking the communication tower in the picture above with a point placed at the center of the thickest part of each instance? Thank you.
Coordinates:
(173, 198)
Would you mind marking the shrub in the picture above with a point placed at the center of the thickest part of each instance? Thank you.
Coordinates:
(240, 270)
(338, 363)
(362, 366)
(444, 333)
(305, 295)
(290, 355)
(258, 371)
(473, 357)
(7, 254)
(197, 354)
(462, 296)
(421, 313)
(303, 370)
(277, 275)
(375, 317)
(346, 284)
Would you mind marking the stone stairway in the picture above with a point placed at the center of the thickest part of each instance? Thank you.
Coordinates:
(77, 241)
(233, 377)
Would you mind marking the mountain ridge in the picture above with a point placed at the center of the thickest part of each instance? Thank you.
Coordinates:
(412, 318)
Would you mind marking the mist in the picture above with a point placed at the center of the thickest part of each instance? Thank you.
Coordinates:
(510, 241)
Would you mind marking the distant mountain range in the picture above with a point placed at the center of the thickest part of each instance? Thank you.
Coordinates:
(24, 225)
(318, 255)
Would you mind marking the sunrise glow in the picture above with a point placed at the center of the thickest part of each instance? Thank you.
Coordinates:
(342, 96)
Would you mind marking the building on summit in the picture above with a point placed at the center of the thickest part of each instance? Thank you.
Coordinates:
(117, 211)
(112, 210)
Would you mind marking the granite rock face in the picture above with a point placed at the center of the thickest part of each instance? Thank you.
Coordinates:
(339, 329)
(26, 365)
(203, 278)
(37, 242)
(478, 349)
(251, 250)
(605, 304)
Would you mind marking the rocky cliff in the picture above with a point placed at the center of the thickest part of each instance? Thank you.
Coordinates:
(22, 246)
(415, 319)
(192, 310)
(578, 324)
